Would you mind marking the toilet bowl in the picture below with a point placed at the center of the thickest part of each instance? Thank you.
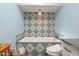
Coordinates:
(55, 50)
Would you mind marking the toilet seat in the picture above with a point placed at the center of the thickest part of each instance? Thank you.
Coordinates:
(54, 50)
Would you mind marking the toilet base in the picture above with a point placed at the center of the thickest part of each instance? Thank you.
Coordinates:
(54, 54)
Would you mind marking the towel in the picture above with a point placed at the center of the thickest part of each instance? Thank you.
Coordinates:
(21, 50)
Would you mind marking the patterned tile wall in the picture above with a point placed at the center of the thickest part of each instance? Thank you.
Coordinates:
(35, 27)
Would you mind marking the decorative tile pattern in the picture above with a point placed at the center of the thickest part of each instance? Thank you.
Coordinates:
(26, 34)
(27, 15)
(33, 15)
(51, 28)
(43, 52)
(35, 49)
(51, 34)
(39, 47)
(45, 21)
(26, 28)
(32, 28)
(52, 15)
(45, 15)
(35, 27)
(45, 28)
(34, 52)
(19, 46)
(39, 28)
(45, 34)
(39, 34)
(51, 22)
(26, 21)
(29, 47)
(39, 21)
(32, 21)
(32, 34)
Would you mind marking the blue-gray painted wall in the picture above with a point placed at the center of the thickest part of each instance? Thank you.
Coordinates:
(11, 23)
(67, 20)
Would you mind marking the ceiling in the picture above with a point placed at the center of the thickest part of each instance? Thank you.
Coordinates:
(52, 7)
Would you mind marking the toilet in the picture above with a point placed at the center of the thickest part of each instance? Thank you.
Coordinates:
(55, 50)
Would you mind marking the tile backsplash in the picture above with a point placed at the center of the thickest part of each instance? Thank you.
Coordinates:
(39, 27)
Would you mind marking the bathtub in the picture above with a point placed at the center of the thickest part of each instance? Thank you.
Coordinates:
(36, 46)
(39, 39)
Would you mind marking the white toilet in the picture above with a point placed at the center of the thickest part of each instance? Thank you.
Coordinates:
(55, 50)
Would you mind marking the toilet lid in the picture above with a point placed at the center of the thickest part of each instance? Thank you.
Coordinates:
(55, 48)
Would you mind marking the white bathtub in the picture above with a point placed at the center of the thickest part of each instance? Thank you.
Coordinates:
(39, 39)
